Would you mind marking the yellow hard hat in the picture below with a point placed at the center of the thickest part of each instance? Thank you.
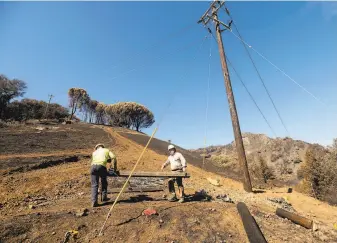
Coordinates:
(99, 145)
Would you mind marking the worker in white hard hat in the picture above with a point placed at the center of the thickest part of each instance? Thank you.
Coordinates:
(178, 164)
(101, 157)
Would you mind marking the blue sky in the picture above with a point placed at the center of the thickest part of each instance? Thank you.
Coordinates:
(149, 52)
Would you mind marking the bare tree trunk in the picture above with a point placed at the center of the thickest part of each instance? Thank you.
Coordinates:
(73, 111)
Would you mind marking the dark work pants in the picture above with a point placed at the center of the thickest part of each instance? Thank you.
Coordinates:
(96, 172)
(180, 185)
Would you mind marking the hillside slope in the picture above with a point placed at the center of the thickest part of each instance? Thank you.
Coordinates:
(39, 204)
(283, 156)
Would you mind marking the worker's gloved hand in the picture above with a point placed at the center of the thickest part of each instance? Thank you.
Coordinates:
(112, 172)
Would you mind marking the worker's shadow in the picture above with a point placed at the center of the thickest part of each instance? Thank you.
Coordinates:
(197, 198)
(138, 198)
(145, 198)
(134, 199)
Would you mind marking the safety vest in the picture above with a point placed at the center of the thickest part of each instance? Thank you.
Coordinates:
(101, 156)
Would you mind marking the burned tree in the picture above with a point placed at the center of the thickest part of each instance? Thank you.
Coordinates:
(77, 98)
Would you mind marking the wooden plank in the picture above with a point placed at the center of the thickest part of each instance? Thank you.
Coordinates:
(137, 189)
(252, 229)
(153, 174)
(307, 223)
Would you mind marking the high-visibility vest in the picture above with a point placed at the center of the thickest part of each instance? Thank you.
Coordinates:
(101, 156)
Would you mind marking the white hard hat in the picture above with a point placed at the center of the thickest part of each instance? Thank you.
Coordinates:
(99, 145)
(171, 147)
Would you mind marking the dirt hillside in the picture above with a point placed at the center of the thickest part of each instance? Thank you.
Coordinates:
(283, 156)
(40, 199)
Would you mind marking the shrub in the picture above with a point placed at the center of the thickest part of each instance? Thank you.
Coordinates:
(266, 172)
(260, 170)
(319, 171)
(33, 109)
(220, 159)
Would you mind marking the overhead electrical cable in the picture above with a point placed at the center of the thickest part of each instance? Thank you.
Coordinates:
(250, 95)
(274, 65)
(207, 101)
(162, 40)
(246, 88)
(181, 78)
(258, 73)
(184, 48)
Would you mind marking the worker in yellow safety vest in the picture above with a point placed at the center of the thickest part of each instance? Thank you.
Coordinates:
(100, 158)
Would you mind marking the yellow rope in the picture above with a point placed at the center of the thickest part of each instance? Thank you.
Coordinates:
(127, 181)
(141, 155)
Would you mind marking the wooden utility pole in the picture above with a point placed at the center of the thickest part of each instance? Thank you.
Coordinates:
(45, 112)
(252, 229)
(212, 15)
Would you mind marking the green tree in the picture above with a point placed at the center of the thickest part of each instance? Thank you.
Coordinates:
(119, 114)
(129, 115)
(141, 116)
(10, 89)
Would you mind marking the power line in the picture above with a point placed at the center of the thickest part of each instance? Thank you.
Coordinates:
(181, 78)
(162, 40)
(271, 63)
(186, 47)
(258, 72)
(207, 100)
(251, 96)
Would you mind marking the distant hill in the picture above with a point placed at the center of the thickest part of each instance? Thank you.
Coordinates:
(282, 157)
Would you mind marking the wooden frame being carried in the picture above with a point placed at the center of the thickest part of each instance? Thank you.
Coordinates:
(161, 174)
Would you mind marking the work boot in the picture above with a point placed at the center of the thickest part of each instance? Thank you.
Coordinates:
(173, 198)
(94, 204)
(105, 199)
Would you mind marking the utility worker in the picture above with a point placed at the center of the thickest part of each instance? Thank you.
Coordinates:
(178, 164)
(100, 158)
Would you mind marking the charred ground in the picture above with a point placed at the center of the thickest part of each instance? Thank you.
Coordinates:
(41, 204)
